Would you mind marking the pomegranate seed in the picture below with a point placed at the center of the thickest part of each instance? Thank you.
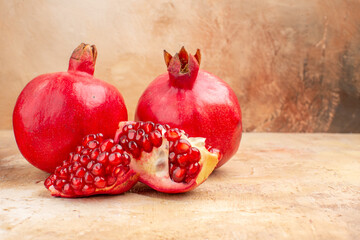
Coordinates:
(71, 176)
(67, 189)
(80, 172)
(59, 183)
(100, 137)
(74, 167)
(178, 174)
(194, 169)
(65, 164)
(156, 138)
(188, 179)
(53, 177)
(171, 146)
(159, 127)
(131, 134)
(194, 155)
(88, 138)
(108, 169)
(182, 146)
(148, 127)
(116, 171)
(71, 155)
(127, 127)
(134, 149)
(85, 151)
(139, 134)
(115, 158)
(78, 149)
(76, 183)
(183, 159)
(126, 168)
(138, 125)
(76, 157)
(111, 181)
(95, 153)
(57, 170)
(97, 169)
(99, 182)
(125, 159)
(216, 151)
(123, 140)
(167, 127)
(146, 144)
(87, 190)
(120, 171)
(172, 157)
(92, 144)
(63, 173)
(88, 178)
(103, 157)
(48, 182)
(106, 145)
(172, 168)
(173, 134)
(117, 148)
(84, 159)
(90, 165)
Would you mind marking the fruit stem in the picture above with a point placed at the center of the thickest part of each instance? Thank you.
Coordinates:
(83, 59)
(183, 68)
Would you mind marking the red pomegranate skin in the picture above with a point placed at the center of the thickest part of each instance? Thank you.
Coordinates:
(54, 111)
(196, 101)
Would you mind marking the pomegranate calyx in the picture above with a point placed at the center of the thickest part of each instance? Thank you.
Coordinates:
(183, 68)
(83, 59)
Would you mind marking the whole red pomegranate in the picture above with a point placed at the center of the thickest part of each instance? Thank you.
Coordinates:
(196, 101)
(54, 111)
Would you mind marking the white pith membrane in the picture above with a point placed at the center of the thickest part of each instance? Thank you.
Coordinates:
(153, 167)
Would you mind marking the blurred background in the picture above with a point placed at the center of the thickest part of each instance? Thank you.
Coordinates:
(294, 65)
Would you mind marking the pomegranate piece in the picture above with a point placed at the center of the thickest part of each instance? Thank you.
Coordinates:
(55, 111)
(165, 158)
(196, 101)
(101, 168)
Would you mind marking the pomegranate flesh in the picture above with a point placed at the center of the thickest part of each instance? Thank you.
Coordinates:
(54, 111)
(196, 101)
(98, 166)
(165, 158)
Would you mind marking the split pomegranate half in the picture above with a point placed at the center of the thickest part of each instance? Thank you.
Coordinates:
(166, 159)
(98, 166)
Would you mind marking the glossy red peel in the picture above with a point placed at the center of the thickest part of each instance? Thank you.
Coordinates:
(54, 111)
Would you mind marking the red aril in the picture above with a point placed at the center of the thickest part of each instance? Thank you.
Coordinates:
(85, 175)
(165, 158)
(54, 111)
(196, 101)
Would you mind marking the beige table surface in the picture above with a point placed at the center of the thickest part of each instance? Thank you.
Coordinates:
(278, 186)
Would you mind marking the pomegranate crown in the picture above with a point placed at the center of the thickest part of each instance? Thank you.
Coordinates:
(182, 67)
(83, 59)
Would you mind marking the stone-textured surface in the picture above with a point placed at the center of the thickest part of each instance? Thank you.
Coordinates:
(293, 64)
(278, 186)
